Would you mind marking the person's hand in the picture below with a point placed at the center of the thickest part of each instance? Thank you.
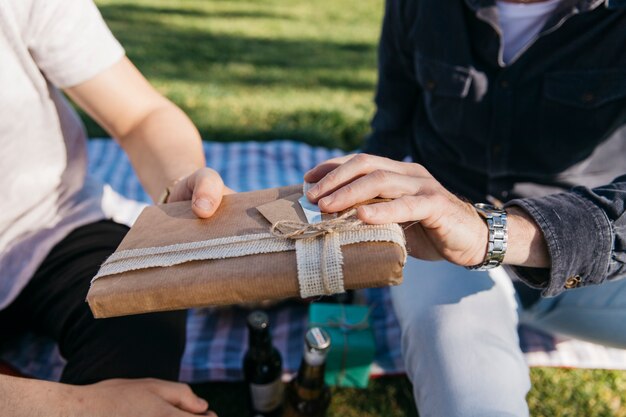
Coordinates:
(204, 188)
(137, 398)
(439, 224)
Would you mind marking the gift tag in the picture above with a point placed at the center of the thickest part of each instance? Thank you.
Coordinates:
(287, 208)
(311, 210)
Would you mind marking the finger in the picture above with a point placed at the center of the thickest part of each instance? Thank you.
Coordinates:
(228, 190)
(207, 193)
(404, 209)
(318, 172)
(385, 184)
(354, 168)
(180, 396)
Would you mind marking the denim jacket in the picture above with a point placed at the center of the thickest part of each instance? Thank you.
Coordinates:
(547, 132)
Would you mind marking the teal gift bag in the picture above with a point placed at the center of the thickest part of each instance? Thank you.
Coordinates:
(352, 342)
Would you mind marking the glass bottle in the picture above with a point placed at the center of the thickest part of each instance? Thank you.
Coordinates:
(262, 368)
(307, 395)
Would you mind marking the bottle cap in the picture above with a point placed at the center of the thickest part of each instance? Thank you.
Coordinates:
(316, 345)
(258, 320)
(317, 338)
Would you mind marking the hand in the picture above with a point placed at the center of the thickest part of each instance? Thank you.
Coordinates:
(137, 398)
(439, 224)
(204, 188)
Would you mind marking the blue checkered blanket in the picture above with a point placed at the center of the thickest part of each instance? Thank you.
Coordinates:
(217, 337)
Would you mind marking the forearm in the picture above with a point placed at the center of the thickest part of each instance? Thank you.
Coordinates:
(163, 147)
(20, 397)
(160, 140)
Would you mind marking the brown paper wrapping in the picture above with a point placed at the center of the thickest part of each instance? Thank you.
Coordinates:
(243, 279)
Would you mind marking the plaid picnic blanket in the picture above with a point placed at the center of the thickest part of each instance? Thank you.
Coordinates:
(217, 337)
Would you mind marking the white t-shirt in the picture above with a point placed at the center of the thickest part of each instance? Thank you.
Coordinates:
(44, 193)
(520, 23)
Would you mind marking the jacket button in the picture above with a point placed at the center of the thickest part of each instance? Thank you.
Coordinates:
(588, 98)
(430, 85)
(572, 282)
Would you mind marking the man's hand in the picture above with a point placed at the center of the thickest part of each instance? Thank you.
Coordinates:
(439, 225)
(204, 188)
(448, 227)
(138, 398)
(21, 397)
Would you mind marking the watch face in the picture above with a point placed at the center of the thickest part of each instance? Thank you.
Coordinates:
(486, 210)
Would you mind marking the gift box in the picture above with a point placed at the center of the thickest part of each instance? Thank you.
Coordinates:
(352, 346)
(258, 246)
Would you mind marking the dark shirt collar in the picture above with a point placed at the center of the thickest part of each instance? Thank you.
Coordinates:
(486, 10)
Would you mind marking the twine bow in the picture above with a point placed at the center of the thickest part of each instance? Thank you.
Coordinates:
(289, 229)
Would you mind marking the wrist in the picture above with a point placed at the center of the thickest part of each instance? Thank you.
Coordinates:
(527, 246)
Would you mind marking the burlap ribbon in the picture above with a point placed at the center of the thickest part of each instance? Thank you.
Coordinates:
(318, 250)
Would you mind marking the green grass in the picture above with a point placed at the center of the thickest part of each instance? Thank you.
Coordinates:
(304, 70)
(577, 393)
(258, 70)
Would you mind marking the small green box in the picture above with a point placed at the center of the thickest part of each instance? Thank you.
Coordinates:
(352, 342)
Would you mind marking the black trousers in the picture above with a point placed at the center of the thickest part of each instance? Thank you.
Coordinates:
(53, 304)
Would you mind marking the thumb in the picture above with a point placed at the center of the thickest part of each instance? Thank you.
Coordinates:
(207, 193)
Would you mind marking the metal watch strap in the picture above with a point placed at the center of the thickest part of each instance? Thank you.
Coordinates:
(498, 234)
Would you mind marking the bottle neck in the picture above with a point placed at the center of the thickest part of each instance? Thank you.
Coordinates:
(260, 342)
(311, 376)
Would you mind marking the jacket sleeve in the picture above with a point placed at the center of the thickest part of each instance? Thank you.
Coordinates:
(585, 231)
(397, 89)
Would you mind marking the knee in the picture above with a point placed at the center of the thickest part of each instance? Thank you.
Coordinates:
(426, 326)
(435, 327)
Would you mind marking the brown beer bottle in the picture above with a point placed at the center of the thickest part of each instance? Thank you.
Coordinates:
(262, 369)
(307, 395)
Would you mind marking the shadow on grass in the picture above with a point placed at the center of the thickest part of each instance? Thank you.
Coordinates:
(189, 53)
(121, 10)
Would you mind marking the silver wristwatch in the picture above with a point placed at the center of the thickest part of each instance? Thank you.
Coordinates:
(498, 234)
